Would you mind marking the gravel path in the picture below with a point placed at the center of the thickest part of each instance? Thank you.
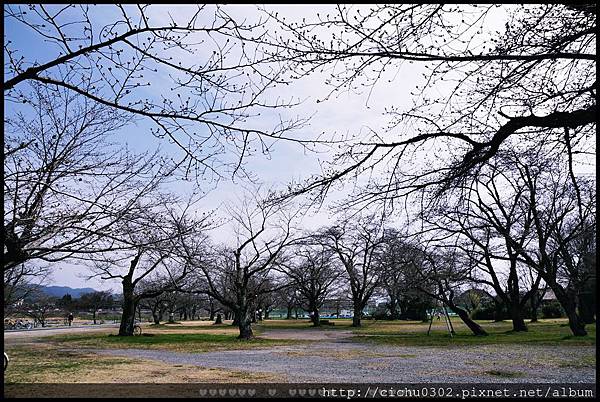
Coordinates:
(337, 359)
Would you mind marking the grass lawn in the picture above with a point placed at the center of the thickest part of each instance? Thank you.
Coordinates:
(178, 342)
(70, 357)
(48, 363)
(412, 333)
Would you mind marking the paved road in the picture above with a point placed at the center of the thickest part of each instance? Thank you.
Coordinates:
(335, 358)
(16, 335)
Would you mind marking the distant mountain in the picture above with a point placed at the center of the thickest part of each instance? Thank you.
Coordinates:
(60, 291)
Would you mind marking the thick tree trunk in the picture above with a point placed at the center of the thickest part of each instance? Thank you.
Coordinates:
(517, 318)
(575, 323)
(570, 306)
(464, 316)
(128, 316)
(316, 318)
(245, 325)
(393, 308)
(289, 314)
(356, 317)
(212, 315)
(156, 318)
(586, 305)
(219, 320)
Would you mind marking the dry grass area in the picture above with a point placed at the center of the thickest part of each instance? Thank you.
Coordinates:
(192, 327)
(44, 363)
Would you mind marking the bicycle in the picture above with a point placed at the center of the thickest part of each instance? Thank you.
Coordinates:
(19, 324)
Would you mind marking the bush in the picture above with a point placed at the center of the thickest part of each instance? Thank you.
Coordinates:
(552, 309)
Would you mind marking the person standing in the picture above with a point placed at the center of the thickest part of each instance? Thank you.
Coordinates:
(70, 318)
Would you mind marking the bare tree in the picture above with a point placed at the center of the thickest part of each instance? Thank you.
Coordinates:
(155, 234)
(65, 182)
(287, 297)
(357, 243)
(38, 305)
(156, 303)
(212, 112)
(235, 276)
(399, 277)
(563, 210)
(443, 273)
(482, 83)
(481, 222)
(313, 273)
(20, 281)
(94, 301)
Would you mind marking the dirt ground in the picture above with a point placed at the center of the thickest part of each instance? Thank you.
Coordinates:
(325, 356)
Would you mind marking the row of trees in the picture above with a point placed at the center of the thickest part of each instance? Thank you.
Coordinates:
(499, 127)
(518, 225)
(32, 302)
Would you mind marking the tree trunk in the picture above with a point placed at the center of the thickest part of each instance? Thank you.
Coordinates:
(356, 317)
(568, 304)
(289, 313)
(245, 324)
(535, 305)
(316, 319)
(156, 317)
(94, 315)
(128, 316)
(586, 304)
(575, 323)
(393, 308)
(464, 316)
(517, 318)
(212, 315)
(219, 320)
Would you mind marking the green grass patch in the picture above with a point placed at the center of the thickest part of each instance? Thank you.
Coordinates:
(201, 342)
(415, 334)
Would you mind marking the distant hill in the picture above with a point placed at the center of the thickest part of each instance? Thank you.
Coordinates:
(60, 291)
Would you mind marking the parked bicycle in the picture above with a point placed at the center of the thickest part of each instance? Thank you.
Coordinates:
(19, 324)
